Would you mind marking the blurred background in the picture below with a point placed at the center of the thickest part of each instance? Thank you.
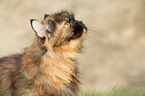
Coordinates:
(114, 51)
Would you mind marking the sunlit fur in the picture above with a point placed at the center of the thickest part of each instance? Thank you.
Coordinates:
(47, 68)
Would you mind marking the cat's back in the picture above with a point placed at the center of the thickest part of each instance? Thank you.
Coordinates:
(10, 63)
(9, 66)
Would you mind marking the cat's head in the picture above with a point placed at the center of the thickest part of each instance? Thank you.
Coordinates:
(60, 29)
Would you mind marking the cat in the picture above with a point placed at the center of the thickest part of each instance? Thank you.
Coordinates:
(48, 67)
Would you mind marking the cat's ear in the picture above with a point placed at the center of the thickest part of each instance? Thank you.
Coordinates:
(38, 27)
(46, 15)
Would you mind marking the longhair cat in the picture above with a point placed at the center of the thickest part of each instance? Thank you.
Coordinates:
(47, 67)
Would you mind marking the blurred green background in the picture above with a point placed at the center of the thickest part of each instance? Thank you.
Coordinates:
(114, 51)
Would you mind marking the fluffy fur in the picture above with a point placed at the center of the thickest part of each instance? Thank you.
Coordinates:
(48, 67)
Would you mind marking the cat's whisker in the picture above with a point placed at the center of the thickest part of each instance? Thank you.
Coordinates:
(99, 33)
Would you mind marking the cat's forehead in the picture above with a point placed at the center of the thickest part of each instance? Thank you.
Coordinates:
(63, 16)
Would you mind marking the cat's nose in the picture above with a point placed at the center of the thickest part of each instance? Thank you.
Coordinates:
(80, 23)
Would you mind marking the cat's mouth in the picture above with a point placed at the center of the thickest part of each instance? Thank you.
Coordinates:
(78, 29)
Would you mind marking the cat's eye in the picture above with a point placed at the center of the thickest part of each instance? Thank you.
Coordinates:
(66, 24)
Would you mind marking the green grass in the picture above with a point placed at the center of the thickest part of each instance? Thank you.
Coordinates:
(113, 92)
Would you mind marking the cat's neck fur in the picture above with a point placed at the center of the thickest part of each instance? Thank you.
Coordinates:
(51, 68)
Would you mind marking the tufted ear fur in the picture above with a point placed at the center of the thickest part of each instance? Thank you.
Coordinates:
(46, 15)
(38, 27)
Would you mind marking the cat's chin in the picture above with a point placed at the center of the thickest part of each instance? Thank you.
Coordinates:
(80, 35)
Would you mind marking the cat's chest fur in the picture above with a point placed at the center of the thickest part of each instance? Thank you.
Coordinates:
(56, 73)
